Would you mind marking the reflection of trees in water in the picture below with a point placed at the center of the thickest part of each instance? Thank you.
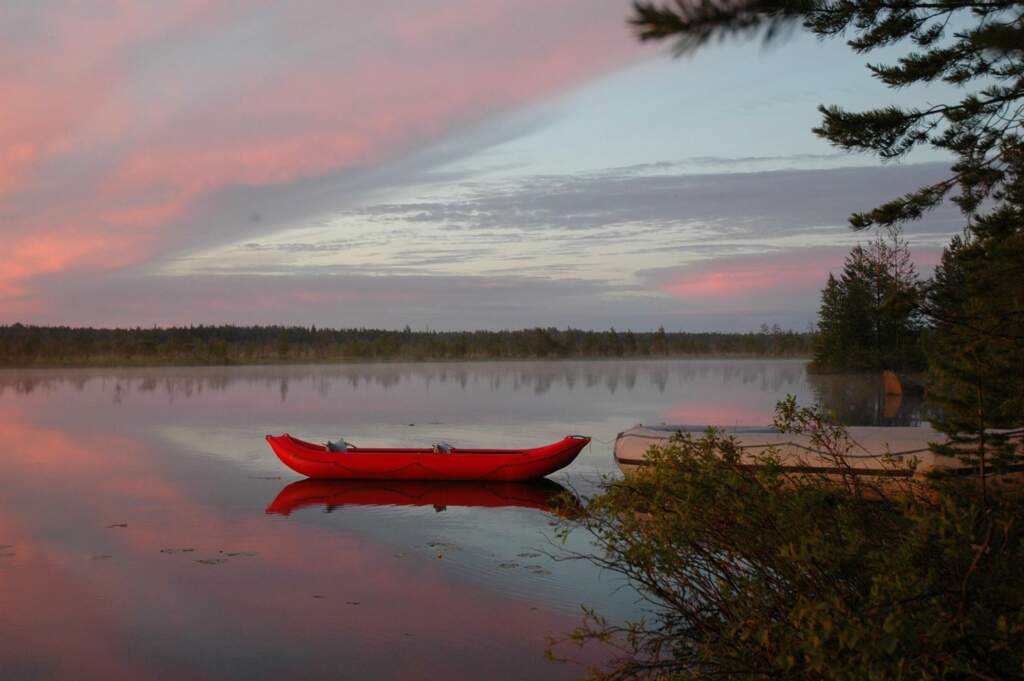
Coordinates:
(856, 399)
(539, 378)
(860, 400)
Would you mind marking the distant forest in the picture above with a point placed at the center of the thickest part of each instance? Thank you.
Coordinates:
(22, 345)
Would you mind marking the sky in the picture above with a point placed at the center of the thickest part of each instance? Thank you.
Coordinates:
(459, 165)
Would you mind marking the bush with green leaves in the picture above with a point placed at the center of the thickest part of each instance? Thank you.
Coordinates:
(751, 572)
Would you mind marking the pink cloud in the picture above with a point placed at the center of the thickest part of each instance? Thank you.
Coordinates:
(53, 251)
(752, 276)
(770, 284)
(122, 116)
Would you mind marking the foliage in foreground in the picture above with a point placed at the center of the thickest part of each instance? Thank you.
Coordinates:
(754, 573)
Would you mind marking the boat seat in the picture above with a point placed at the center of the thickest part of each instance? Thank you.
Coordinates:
(441, 448)
(339, 445)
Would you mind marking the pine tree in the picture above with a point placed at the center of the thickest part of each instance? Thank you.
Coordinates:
(859, 303)
(630, 342)
(976, 356)
(659, 343)
(897, 320)
(965, 43)
(829, 344)
(869, 317)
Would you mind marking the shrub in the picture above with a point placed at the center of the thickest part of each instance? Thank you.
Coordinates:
(752, 572)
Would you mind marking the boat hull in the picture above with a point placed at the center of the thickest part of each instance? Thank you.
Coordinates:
(315, 461)
(877, 452)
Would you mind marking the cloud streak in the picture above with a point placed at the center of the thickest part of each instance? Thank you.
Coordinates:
(127, 122)
(777, 201)
(670, 249)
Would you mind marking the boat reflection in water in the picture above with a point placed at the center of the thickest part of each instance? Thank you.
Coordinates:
(543, 495)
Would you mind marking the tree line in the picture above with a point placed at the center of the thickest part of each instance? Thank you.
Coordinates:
(22, 345)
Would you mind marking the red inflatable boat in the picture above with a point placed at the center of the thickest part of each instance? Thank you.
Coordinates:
(358, 463)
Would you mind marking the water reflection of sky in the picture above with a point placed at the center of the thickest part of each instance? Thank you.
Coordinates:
(134, 540)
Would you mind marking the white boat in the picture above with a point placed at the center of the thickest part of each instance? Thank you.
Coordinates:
(877, 451)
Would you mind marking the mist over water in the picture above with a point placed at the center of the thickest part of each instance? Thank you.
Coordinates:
(136, 542)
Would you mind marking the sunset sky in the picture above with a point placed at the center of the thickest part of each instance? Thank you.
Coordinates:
(466, 164)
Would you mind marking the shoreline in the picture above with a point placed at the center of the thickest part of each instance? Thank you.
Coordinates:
(269, 362)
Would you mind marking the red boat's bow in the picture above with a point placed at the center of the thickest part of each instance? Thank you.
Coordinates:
(509, 465)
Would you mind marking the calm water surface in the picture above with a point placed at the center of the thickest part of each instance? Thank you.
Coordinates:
(136, 542)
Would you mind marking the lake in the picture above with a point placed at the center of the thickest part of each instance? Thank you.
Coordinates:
(135, 540)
